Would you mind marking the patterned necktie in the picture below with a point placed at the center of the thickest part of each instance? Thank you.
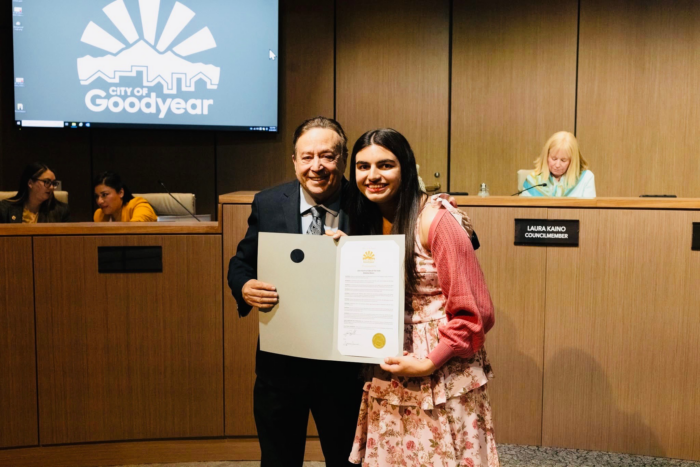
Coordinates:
(316, 227)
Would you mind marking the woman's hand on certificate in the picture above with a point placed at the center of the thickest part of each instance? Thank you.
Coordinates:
(337, 234)
(259, 294)
(408, 365)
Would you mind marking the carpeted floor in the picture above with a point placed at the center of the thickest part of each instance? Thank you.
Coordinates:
(518, 456)
(531, 456)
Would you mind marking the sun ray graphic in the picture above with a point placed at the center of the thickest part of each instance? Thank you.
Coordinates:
(179, 18)
(119, 15)
(98, 37)
(149, 19)
(198, 42)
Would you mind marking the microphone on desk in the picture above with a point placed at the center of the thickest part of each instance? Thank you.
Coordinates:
(178, 202)
(526, 189)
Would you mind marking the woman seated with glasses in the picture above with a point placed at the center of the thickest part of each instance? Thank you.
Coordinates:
(117, 204)
(34, 202)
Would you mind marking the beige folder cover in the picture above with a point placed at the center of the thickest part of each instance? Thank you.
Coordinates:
(304, 323)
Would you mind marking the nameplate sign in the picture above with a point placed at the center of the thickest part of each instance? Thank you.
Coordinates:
(546, 232)
(129, 259)
(696, 236)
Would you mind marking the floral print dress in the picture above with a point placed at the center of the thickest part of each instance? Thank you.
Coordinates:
(439, 420)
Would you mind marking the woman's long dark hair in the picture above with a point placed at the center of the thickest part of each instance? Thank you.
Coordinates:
(32, 171)
(365, 216)
(113, 180)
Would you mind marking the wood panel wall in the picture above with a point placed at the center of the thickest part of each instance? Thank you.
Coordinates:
(18, 424)
(476, 105)
(621, 356)
(513, 85)
(239, 333)
(124, 356)
(516, 343)
(639, 99)
(392, 65)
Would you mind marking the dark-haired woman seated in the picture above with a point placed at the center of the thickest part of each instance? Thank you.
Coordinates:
(34, 201)
(117, 204)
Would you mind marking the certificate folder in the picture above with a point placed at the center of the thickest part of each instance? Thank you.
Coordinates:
(324, 286)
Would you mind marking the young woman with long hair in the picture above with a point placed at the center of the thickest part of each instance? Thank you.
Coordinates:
(429, 406)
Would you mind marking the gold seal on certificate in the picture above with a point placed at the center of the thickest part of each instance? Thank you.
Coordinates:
(379, 341)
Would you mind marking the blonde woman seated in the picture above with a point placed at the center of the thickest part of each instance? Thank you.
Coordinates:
(117, 204)
(561, 169)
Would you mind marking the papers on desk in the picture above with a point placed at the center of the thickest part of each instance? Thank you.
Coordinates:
(339, 301)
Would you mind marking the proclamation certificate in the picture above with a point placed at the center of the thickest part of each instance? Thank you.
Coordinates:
(341, 301)
(368, 302)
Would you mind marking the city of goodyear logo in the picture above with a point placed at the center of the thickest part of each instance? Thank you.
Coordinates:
(154, 60)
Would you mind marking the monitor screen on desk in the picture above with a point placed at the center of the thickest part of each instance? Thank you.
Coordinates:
(169, 63)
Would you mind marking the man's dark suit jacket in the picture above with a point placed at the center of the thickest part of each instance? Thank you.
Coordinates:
(11, 213)
(277, 210)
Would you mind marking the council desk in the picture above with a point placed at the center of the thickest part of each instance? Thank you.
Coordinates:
(594, 347)
(93, 360)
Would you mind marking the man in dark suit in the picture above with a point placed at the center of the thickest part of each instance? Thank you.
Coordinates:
(287, 388)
